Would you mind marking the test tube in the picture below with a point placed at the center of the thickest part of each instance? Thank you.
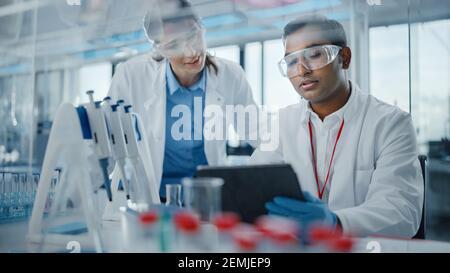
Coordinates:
(2, 195)
(188, 238)
(13, 195)
(27, 180)
(19, 195)
(33, 182)
(34, 187)
(7, 202)
(24, 198)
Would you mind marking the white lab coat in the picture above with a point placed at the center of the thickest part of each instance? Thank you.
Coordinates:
(377, 184)
(141, 82)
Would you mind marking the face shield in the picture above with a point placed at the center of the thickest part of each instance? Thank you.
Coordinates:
(176, 32)
(312, 58)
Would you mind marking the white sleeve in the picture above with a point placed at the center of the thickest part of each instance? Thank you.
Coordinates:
(393, 205)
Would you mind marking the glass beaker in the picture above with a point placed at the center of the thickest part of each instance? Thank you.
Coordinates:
(204, 196)
(173, 195)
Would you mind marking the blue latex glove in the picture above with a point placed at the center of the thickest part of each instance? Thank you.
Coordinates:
(310, 211)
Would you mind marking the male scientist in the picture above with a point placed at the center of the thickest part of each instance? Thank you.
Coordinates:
(356, 157)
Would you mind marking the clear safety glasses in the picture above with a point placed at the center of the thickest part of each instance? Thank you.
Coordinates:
(312, 58)
(192, 39)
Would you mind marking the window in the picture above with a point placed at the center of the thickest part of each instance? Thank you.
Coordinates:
(430, 85)
(226, 52)
(427, 54)
(253, 63)
(389, 65)
(278, 91)
(95, 77)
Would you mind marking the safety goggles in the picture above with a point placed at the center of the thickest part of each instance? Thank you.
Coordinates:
(312, 58)
(176, 46)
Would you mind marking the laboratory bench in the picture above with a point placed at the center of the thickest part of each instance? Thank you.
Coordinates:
(13, 239)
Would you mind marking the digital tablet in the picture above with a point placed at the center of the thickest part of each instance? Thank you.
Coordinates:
(247, 188)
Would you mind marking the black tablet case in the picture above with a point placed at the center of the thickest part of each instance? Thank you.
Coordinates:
(248, 188)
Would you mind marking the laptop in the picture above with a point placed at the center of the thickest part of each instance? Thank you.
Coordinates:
(247, 188)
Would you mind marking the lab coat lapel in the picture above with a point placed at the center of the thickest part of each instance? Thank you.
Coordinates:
(155, 105)
(155, 109)
(306, 173)
(212, 97)
(350, 118)
(342, 190)
(341, 184)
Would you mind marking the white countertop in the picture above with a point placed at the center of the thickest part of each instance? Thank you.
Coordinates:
(13, 239)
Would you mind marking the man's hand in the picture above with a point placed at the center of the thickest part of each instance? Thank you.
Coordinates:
(310, 211)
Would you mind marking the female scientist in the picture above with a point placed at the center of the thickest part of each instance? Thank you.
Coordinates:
(170, 89)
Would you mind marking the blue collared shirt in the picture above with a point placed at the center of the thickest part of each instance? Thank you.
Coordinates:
(182, 156)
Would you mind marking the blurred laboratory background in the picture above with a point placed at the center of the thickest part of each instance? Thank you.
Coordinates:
(53, 51)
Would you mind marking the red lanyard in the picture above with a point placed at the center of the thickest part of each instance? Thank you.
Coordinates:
(321, 191)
